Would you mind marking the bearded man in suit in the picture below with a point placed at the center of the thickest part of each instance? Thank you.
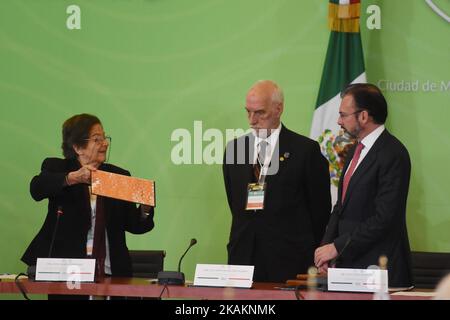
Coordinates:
(369, 218)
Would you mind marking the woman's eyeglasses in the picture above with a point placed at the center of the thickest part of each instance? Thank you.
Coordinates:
(100, 140)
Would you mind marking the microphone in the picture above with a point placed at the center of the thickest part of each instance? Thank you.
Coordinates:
(59, 212)
(175, 277)
(193, 242)
(31, 271)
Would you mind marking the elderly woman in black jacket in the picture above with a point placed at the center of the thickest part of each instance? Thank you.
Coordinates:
(89, 225)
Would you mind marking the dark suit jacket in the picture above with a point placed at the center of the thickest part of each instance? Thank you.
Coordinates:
(372, 220)
(74, 224)
(296, 207)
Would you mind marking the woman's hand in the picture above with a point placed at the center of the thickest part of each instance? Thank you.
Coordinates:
(82, 175)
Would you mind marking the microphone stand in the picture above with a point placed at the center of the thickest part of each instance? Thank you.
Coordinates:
(174, 277)
(59, 213)
(31, 271)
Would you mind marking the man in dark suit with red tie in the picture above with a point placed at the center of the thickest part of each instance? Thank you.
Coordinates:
(279, 239)
(369, 218)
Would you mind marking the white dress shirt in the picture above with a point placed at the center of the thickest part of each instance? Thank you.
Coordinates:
(368, 142)
(271, 143)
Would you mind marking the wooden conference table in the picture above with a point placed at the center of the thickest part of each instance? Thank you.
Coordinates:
(137, 287)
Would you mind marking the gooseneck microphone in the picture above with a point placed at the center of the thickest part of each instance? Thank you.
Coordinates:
(193, 242)
(31, 270)
(59, 213)
(175, 277)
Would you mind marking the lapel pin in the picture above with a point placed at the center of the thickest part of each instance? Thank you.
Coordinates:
(284, 156)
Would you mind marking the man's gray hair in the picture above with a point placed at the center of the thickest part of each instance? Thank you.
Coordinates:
(278, 95)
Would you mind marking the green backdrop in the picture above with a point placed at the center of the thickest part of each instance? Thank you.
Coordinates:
(148, 67)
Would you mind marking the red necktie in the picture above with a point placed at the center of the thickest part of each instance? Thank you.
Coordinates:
(349, 173)
(99, 248)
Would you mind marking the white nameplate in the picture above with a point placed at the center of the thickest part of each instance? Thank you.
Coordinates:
(58, 269)
(223, 275)
(358, 280)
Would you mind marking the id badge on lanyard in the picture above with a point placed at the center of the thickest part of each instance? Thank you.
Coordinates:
(255, 196)
(256, 192)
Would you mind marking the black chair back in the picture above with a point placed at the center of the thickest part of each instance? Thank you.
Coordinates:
(147, 263)
(429, 268)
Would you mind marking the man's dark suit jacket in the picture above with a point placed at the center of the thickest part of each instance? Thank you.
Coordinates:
(372, 220)
(296, 209)
(75, 222)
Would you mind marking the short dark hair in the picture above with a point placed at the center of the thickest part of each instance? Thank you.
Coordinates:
(75, 131)
(370, 98)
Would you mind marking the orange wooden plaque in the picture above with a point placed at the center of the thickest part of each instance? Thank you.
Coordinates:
(122, 187)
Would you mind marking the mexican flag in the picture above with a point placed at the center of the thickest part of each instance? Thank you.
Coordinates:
(344, 64)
